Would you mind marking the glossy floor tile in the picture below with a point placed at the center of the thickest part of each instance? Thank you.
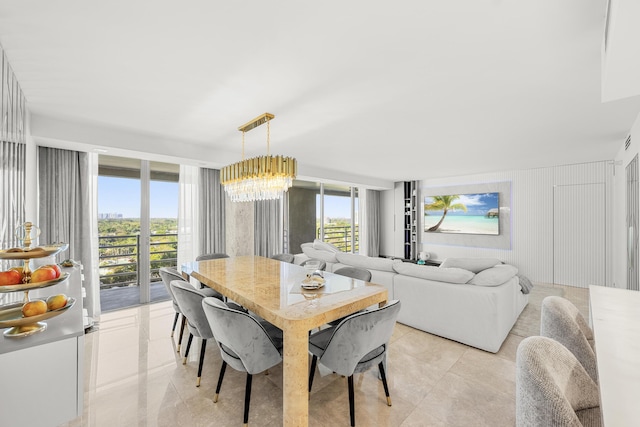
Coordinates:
(135, 377)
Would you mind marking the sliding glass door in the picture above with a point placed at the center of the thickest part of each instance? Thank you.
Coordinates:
(322, 211)
(137, 225)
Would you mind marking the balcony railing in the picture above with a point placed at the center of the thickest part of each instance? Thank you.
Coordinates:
(119, 257)
(340, 236)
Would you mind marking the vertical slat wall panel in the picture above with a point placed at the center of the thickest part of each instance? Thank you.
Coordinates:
(632, 225)
(579, 235)
(532, 215)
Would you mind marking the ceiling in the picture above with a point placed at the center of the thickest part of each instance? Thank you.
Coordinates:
(383, 90)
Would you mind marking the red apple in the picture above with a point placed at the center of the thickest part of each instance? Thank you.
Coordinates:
(56, 267)
(10, 277)
(42, 274)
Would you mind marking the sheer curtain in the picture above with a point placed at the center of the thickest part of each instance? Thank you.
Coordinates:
(12, 191)
(68, 201)
(212, 212)
(188, 215)
(369, 222)
(268, 228)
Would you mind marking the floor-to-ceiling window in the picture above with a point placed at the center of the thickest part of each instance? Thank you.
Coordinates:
(137, 225)
(327, 212)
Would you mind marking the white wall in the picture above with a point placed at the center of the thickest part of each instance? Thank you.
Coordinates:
(532, 216)
(619, 201)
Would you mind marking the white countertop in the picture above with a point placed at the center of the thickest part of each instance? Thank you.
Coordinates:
(615, 315)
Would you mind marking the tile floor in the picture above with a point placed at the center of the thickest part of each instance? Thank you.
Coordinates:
(135, 377)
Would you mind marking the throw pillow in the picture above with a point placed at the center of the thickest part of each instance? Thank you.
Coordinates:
(324, 246)
(366, 262)
(494, 276)
(472, 264)
(448, 275)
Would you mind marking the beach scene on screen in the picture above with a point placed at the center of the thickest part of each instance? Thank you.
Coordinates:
(477, 213)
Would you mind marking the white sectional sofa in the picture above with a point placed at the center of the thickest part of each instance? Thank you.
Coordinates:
(475, 301)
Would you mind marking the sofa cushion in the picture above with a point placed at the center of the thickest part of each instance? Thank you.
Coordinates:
(368, 263)
(494, 276)
(311, 252)
(324, 246)
(448, 275)
(472, 264)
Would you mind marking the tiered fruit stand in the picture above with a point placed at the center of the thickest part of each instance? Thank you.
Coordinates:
(11, 314)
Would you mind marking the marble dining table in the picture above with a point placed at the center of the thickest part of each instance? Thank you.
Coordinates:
(272, 289)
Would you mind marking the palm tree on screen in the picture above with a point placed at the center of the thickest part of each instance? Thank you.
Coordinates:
(444, 204)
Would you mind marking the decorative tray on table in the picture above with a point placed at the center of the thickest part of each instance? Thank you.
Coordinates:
(30, 253)
(312, 282)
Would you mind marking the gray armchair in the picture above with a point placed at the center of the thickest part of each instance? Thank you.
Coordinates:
(552, 387)
(189, 300)
(245, 343)
(560, 320)
(359, 342)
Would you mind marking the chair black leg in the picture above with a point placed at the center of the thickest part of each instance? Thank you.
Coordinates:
(175, 322)
(384, 382)
(183, 324)
(220, 377)
(186, 353)
(314, 360)
(352, 409)
(203, 346)
(247, 398)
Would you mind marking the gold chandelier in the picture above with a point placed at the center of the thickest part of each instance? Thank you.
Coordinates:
(259, 178)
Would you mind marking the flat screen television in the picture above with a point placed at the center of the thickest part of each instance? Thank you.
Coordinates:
(477, 213)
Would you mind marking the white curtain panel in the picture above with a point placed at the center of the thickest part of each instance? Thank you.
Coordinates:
(212, 212)
(67, 212)
(268, 227)
(369, 222)
(188, 215)
(12, 191)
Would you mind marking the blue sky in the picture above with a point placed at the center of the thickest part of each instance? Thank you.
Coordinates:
(334, 206)
(122, 195)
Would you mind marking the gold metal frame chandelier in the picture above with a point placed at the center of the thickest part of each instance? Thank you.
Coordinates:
(259, 178)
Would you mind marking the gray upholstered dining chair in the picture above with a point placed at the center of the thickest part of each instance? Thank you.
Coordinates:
(168, 274)
(354, 273)
(189, 300)
(552, 387)
(561, 320)
(359, 342)
(284, 257)
(322, 266)
(205, 257)
(245, 343)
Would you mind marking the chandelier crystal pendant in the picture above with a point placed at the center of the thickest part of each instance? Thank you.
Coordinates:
(259, 178)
